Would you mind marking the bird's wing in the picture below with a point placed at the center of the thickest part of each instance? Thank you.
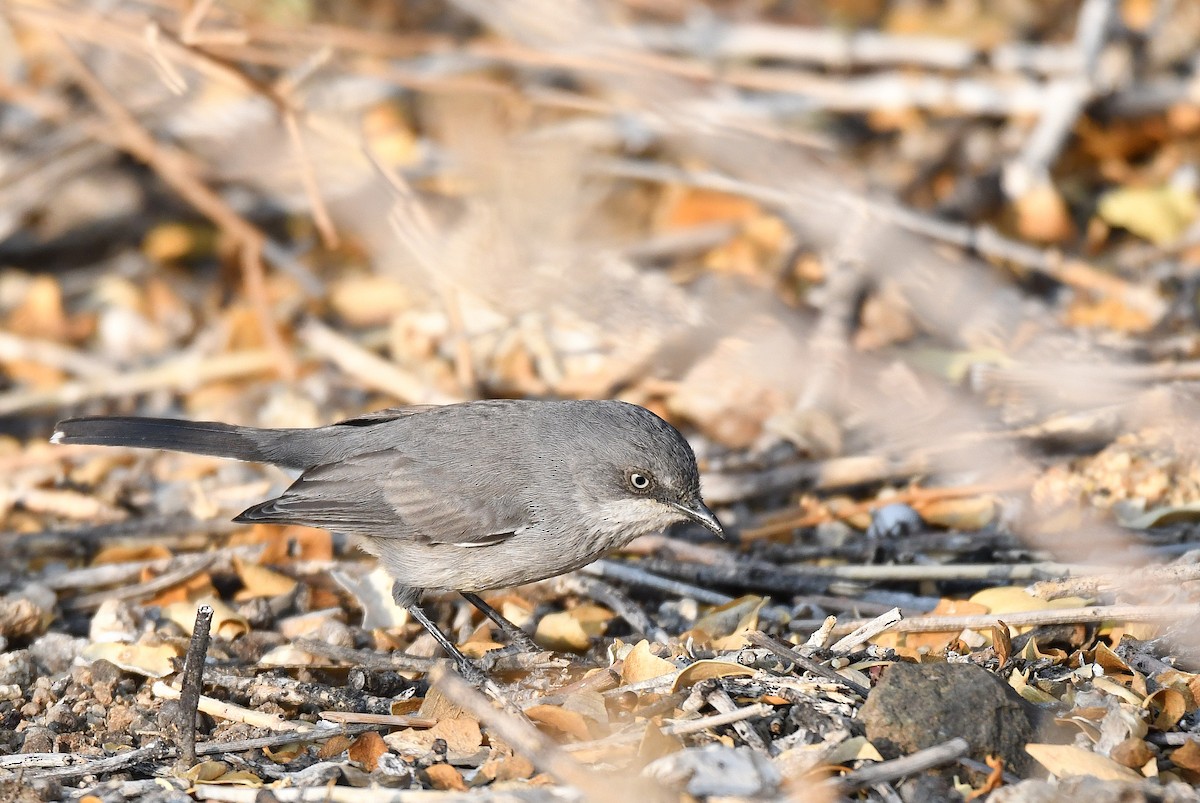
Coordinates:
(391, 494)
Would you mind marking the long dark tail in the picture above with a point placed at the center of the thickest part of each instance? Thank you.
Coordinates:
(279, 446)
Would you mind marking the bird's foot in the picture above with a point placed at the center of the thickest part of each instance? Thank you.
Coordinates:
(473, 673)
(520, 641)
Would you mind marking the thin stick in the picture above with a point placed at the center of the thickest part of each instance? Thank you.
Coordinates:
(900, 767)
(1059, 616)
(193, 678)
(177, 373)
(867, 631)
(681, 726)
(787, 653)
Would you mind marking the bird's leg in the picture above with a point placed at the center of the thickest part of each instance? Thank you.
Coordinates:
(516, 636)
(407, 598)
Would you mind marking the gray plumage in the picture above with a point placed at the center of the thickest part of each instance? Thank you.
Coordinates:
(466, 497)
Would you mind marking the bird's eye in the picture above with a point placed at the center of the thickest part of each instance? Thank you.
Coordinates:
(639, 481)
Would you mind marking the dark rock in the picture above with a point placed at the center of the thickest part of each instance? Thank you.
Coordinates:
(915, 706)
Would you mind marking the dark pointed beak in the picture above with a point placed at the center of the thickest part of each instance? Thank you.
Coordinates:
(699, 513)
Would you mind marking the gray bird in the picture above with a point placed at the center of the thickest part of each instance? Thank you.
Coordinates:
(464, 497)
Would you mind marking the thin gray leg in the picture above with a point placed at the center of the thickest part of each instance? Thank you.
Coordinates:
(518, 637)
(407, 598)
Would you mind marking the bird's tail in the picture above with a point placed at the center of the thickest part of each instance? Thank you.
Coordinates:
(196, 437)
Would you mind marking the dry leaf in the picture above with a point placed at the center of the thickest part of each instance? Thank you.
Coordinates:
(259, 581)
(562, 632)
(571, 723)
(703, 670)
(462, 735)
(856, 748)
(1187, 755)
(641, 664)
(1169, 705)
(369, 300)
(1132, 752)
(130, 554)
(1158, 214)
(367, 749)
(446, 778)
(1065, 760)
(151, 660)
(226, 622)
(1043, 216)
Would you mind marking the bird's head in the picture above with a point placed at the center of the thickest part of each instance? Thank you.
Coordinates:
(639, 472)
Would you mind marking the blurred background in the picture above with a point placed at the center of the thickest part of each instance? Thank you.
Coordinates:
(918, 279)
(937, 252)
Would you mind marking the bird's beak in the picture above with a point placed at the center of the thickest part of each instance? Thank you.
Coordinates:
(699, 513)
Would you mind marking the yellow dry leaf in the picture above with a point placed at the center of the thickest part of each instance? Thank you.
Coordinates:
(151, 660)
(1065, 760)
(461, 733)
(259, 581)
(206, 771)
(562, 632)
(288, 655)
(965, 513)
(641, 664)
(363, 301)
(703, 670)
(655, 744)
(571, 723)
(735, 617)
(856, 748)
(169, 242)
(1158, 214)
(226, 622)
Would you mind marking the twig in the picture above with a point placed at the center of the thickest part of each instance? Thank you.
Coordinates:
(367, 367)
(176, 170)
(1139, 578)
(235, 713)
(787, 653)
(720, 700)
(679, 727)
(193, 678)
(176, 373)
(631, 574)
(867, 631)
(389, 720)
(620, 604)
(154, 752)
(187, 569)
(900, 767)
(1058, 616)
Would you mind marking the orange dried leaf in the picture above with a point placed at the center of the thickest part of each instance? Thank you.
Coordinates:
(571, 723)
(446, 778)
(367, 749)
(259, 581)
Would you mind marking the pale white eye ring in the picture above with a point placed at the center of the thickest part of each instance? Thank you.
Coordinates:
(639, 481)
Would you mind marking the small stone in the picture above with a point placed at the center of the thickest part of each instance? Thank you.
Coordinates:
(915, 706)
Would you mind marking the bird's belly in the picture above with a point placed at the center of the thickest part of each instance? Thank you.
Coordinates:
(514, 562)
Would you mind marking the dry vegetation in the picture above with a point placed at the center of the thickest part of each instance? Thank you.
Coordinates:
(917, 277)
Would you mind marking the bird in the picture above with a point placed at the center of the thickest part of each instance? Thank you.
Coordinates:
(466, 497)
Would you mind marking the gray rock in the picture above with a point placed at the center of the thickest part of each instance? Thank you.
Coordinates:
(717, 770)
(915, 706)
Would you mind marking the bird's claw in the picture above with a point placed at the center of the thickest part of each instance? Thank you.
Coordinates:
(473, 673)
